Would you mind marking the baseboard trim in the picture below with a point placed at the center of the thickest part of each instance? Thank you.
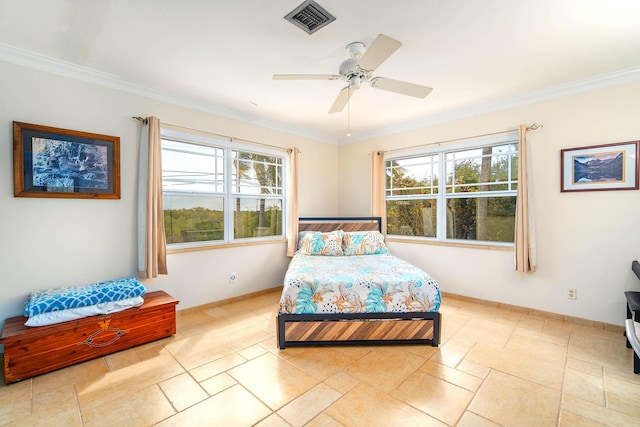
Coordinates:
(511, 307)
(218, 303)
(539, 313)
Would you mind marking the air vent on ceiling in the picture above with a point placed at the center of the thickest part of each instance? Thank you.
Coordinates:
(310, 16)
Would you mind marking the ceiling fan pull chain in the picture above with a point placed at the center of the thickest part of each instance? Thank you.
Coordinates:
(349, 112)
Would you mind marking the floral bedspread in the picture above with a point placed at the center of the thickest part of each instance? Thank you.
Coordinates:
(356, 284)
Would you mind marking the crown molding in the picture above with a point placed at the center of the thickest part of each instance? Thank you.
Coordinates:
(598, 82)
(47, 64)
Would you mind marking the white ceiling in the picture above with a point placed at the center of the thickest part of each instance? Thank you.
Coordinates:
(220, 56)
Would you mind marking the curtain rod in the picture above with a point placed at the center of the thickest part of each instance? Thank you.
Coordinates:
(532, 127)
(218, 135)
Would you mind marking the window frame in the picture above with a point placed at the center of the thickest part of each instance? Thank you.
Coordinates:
(442, 196)
(228, 194)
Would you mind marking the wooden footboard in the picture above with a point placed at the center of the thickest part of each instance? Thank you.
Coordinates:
(358, 328)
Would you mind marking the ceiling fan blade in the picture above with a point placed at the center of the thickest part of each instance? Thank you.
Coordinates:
(306, 77)
(401, 87)
(381, 49)
(341, 100)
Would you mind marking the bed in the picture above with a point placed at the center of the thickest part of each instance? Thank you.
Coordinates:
(343, 286)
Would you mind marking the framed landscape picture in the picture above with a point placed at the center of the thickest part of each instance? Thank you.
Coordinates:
(53, 162)
(600, 167)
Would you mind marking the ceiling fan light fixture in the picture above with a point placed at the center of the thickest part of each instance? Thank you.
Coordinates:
(310, 17)
(355, 49)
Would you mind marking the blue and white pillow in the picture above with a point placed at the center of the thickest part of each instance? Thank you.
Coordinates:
(67, 297)
(318, 243)
(364, 243)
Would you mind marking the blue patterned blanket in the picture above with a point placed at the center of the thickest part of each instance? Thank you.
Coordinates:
(67, 297)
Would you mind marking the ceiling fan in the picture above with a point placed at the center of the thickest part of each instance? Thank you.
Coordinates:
(358, 69)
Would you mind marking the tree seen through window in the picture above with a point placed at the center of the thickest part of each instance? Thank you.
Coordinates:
(475, 202)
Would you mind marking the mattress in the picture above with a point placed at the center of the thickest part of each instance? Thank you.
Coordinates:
(357, 284)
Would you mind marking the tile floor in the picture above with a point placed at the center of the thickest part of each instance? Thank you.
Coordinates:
(494, 367)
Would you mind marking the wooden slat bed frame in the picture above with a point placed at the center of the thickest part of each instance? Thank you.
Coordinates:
(355, 328)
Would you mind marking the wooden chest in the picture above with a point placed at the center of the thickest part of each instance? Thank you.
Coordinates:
(30, 351)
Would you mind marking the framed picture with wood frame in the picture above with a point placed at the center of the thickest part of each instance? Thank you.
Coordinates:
(63, 163)
(600, 167)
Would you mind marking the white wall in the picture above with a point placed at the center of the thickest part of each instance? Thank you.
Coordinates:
(57, 242)
(586, 240)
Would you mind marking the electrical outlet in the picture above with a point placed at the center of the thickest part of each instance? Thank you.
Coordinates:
(572, 293)
(232, 277)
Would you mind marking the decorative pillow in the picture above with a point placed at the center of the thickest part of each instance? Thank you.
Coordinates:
(317, 243)
(364, 243)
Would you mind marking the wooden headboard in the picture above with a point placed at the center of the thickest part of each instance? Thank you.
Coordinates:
(357, 223)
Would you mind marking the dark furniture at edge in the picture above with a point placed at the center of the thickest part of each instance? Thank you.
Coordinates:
(633, 315)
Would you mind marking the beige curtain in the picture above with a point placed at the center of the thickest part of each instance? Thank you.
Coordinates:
(525, 252)
(292, 225)
(378, 206)
(152, 245)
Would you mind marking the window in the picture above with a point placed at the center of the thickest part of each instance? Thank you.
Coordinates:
(465, 193)
(219, 192)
